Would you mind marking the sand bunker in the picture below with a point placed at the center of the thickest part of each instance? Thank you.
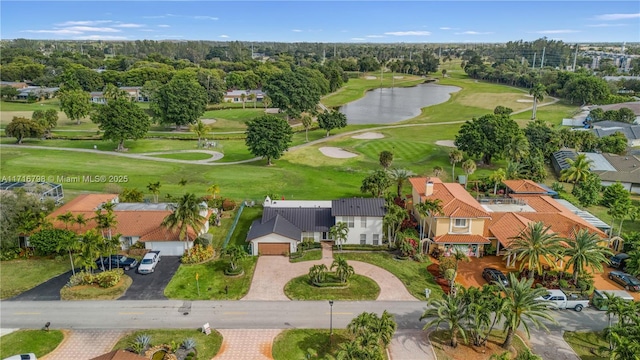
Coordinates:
(208, 121)
(524, 101)
(370, 77)
(398, 77)
(337, 153)
(447, 143)
(369, 135)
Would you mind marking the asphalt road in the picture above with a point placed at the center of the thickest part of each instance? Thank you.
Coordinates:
(48, 290)
(151, 286)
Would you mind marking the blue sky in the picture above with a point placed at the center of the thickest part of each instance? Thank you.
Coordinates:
(323, 21)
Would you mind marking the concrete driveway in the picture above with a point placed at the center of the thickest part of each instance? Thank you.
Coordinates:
(151, 286)
(274, 272)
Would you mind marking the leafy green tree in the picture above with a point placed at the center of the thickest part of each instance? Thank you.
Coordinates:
(486, 136)
(343, 270)
(330, 120)
(20, 213)
(185, 214)
(400, 176)
(538, 91)
(181, 101)
(455, 156)
(377, 183)
(615, 143)
(121, 119)
(385, 159)
(76, 104)
(586, 90)
(578, 170)
(521, 303)
(268, 136)
(536, 242)
(307, 121)
(235, 254)
(587, 192)
(21, 128)
(47, 119)
(437, 171)
(615, 193)
(626, 115)
(200, 130)
(131, 195)
(451, 310)
(8, 92)
(293, 92)
(339, 232)
(585, 251)
(541, 136)
(47, 241)
(502, 110)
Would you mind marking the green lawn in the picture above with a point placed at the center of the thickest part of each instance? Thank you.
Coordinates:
(309, 255)
(39, 342)
(360, 288)
(18, 276)
(185, 156)
(414, 275)
(206, 345)
(249, 214)
(300, 343)
(212, 281)
(24, 106)
(586, 344)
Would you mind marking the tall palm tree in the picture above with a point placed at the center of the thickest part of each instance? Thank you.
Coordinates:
(214, 190)
(184, 215)
(578, 170)
(534, 243)
(400, 176)
(71, 244)
(518, 148)
(585, 251)
(243, 97)
(469, 167)
(497, 177)
(80, 220)
(455, 156)
(514, 171)
(521, 303)
(200, 130)
(393, 219)
(538, 91)
(307, 121)
(154, 188)
(451, 310)
(386, 327)
(339, 233)
(89, 249)
(343, 270)
(67, 218)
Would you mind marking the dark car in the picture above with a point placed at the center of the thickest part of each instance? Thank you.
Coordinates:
(619, 261)
(492, 274)
(116, 261)
(628, 281)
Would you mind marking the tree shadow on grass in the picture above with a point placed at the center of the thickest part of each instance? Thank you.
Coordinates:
(319, 346)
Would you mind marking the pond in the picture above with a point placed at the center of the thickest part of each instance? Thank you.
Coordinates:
(386, 105)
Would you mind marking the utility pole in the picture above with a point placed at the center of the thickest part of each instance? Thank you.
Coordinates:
(534, 61)
(440, 52)
(575, 58)
(542, 61)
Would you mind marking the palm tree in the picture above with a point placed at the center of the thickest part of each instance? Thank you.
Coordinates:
(518, 148)
(534, 243)
(578, 170)
(200, 130)
(307, 120)
(469, 167)
(455, 156)
(386, 327)
(184, 215)
(252, 97)
(422, 210)
(339, 233)
(361, 324)
(89, 249)
(343, 269)
(71, 244)
(400, 176)
(243, 97)
(67, 218)
(497, 177)
(514, 170)
(214, 190)
(80, 220)
(154, 188)
(585, 251)
(538, 91)
(234, 254)
(430, 208)
(393, 219)
(451, 310)
(521, 303)
(317, 273)
(437, 171)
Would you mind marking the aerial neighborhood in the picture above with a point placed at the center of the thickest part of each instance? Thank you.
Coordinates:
(367, 198)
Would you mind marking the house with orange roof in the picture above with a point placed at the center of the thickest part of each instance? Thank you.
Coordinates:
(135, 222)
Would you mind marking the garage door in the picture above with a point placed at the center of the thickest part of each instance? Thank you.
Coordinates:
(167, 248)
(273, 248)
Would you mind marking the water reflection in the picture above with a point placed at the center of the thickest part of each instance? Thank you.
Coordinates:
(385, 106)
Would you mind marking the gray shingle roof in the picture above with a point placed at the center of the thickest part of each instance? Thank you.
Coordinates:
(278, 225)
(604, 128)
(305, 219)
(358, 207)
(561, 157)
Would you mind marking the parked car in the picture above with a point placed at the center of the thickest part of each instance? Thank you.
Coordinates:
(619, 261)
(116, 261)
(30, 356)
(493, 274)
(149, 262)
(558, 299)
(628, 281)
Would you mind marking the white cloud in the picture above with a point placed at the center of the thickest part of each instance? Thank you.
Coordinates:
(224, 36)
(606, 25)
(93, 29)
(100, 37)
(613, 17)
(155, 17)
(473, 33)
(129, 25)
(358, 39)
(57, 32)
(147, 30)
(164, 26)
(446, 28)
(205, 17)
(408, 33)
(376, 36)
(84, 23)
(296, 30)
(562, 31)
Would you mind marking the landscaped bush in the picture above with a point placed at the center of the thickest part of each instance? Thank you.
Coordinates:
(197, 254)
(105, 279)
(9, 254)
(45, 242)
(228, 205)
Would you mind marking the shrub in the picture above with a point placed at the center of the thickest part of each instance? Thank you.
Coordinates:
(197, 254)
(228, 204)
(110, 278)
(446, 263)
(564, 284)
(189, 343)
(202, 240)
(46, 241)
(76, 280)
(9, 254)
(141, 343)
(137, 245)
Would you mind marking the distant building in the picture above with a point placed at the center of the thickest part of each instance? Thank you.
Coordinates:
(235, 96)
(630, 131)
(41, 190)
(134, 92)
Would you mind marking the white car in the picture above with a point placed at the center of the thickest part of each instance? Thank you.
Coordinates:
(30, 356)
(149, 262)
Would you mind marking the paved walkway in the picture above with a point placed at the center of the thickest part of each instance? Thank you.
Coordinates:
(551, 345)
(246, 344)
(85, 344)
(274, 272)
(411, 344)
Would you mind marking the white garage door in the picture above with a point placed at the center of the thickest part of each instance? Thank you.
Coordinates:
(167, 248)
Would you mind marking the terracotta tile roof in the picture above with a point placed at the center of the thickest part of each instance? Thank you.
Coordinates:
(524, 186)
(507, 227)
(456, 201)
(84, 203)
(540, 203)
(119, 355)
(460, 239)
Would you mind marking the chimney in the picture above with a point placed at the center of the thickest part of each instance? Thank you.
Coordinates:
(429, 187)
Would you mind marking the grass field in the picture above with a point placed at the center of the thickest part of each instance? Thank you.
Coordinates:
(249, 214)
(18, 276)
(587, 344)
(39, 342)
(185, 156)
(308, 344)
(360, 288)
(309, 255)
(206, 345)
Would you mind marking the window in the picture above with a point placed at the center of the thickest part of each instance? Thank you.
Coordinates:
(460, 223)
(325, 236)
(376, 239)
(350, 221)
(363, 222)
(363, 239)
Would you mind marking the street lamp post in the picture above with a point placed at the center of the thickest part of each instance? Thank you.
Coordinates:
(331, 324)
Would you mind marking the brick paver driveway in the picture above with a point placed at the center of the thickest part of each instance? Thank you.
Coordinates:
(85, 344)
(246, 344)
(274, 272)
